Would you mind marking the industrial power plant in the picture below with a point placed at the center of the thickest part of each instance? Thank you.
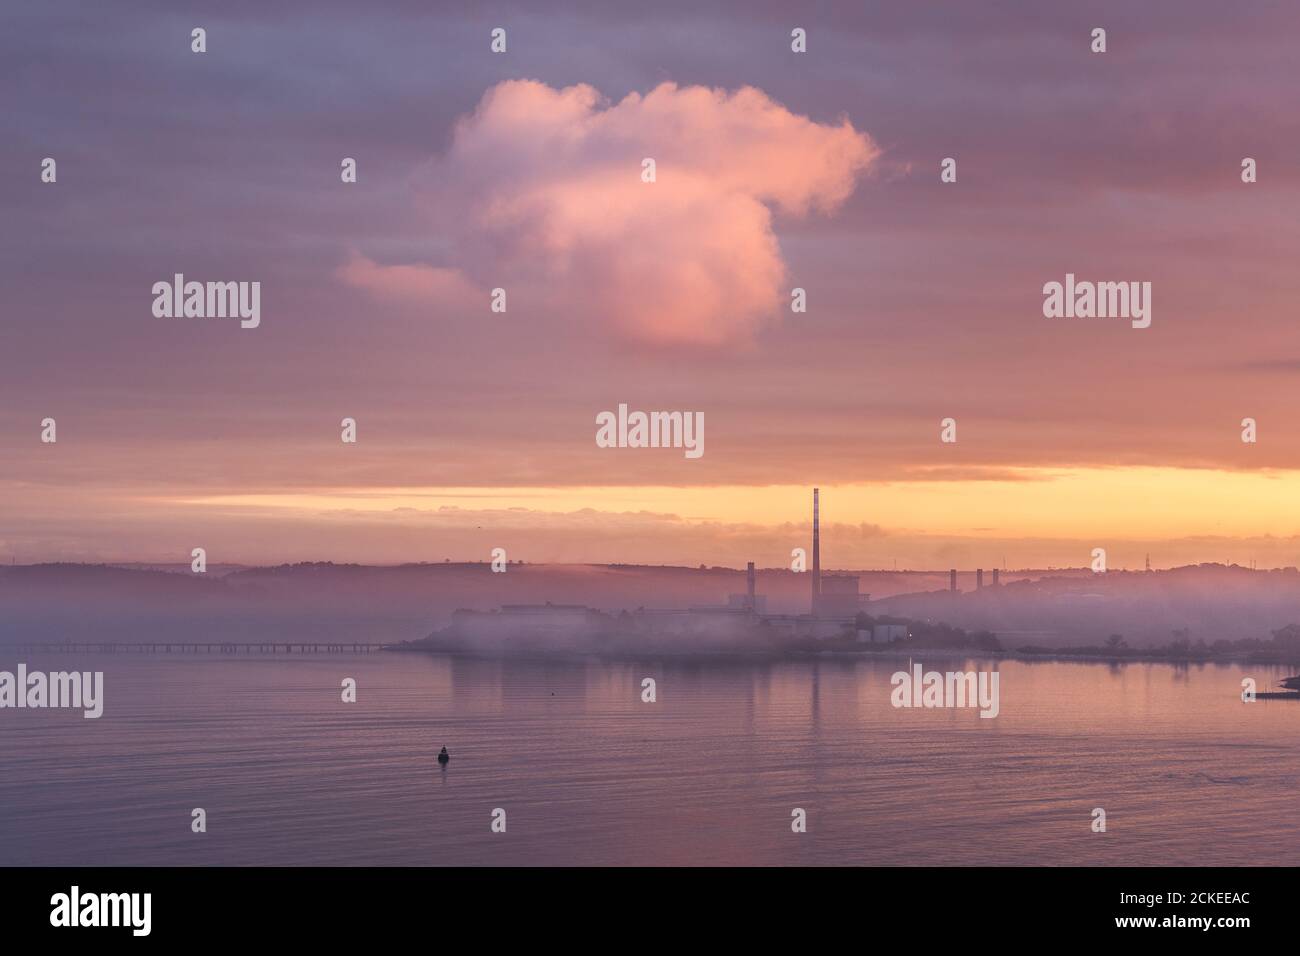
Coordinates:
(836, 611)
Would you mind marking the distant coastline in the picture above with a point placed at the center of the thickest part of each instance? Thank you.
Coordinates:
(1203, 614)
(1281, 651)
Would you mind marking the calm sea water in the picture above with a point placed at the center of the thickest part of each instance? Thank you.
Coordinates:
(588, 774)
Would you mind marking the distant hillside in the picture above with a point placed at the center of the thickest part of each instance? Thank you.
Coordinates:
(1202, 602)
(324, 600)
(53, 602)
(328, 601)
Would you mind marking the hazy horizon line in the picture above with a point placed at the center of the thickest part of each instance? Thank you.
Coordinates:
(247, 566)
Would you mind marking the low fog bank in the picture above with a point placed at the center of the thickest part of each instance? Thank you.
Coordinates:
(324, 602)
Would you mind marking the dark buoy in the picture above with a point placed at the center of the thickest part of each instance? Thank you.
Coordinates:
(443, 757)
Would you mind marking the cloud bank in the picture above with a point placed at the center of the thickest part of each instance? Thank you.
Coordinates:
(541, 193)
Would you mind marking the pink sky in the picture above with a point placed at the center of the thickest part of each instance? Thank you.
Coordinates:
(774, 170)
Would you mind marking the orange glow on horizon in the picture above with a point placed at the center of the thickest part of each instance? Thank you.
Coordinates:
(1124, 503)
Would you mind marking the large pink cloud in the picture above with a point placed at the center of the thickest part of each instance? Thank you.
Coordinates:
(541, 194)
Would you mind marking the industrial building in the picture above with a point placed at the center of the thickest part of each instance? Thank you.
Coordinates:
(835, 603)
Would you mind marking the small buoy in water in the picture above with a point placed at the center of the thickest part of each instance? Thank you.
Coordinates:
(444, 756)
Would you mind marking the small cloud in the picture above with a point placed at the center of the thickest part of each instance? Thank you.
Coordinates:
(418, 285)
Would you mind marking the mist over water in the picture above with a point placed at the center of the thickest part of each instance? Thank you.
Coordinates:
(588, 774)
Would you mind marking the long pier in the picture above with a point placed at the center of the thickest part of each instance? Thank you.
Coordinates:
(200, 647)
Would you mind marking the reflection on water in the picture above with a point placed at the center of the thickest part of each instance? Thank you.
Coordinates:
(588, 774)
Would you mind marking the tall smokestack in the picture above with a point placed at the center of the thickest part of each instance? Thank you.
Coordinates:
(817, 556)
(749, 584)
(952, 579)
